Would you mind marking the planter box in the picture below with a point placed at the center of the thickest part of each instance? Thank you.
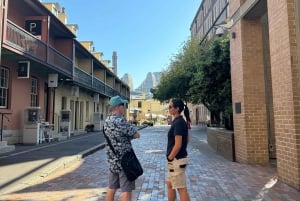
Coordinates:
(222, 141)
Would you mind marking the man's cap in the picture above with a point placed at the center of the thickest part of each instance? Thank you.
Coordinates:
(116, 100)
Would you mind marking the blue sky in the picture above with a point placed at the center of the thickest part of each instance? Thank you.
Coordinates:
(145, 33)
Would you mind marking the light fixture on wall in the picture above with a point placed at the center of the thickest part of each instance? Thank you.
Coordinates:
(223, 28)
(233, 35)
(220, 31)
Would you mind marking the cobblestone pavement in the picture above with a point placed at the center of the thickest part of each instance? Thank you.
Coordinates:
(210, 177)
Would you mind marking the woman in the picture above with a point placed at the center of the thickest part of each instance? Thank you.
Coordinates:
(177, 151)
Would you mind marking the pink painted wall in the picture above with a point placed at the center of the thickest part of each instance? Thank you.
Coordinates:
(19, 95)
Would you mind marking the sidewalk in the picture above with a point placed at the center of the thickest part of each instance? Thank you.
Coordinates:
(28, 164)
(210, 177)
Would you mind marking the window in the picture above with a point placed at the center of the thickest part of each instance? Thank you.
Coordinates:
(139, 104)
(3, 87)
(87, 110)
(63, 103)
(54, 11)
(34, 92)
(96, 107)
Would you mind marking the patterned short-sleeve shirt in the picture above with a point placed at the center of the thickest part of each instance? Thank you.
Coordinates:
(120, 134)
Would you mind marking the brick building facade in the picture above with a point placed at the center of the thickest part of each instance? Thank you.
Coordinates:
(265, 71)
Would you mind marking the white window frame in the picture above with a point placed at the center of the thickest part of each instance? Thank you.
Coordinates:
(34, 92)
(4, 80)
(87, 111)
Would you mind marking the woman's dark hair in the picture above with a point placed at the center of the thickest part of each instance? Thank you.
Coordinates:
(187, 113)
(178, 103)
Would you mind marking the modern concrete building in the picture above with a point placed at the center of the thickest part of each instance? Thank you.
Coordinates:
(210, 14)
(264, 46)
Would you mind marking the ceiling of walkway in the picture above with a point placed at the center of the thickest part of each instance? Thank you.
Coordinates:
(257, 11)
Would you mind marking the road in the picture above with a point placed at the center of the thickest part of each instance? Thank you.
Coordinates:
(210, 177)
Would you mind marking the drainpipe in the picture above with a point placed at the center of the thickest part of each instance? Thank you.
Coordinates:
(1, 26)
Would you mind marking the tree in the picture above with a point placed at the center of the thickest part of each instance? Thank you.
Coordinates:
(212, 82)
(200, 75)
(175, 81)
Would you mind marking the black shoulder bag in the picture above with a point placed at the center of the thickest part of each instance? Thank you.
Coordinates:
(129, 162)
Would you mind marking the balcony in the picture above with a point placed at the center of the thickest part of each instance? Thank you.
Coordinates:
(86, 80)
(82, 77)
(17, 38)
(98, 85)
(110, 91)
(25, 42)
(62, 63)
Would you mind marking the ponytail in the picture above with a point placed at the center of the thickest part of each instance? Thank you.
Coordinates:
(178, 103)
(186, 113)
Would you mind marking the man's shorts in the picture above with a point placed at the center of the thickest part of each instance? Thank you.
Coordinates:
(119, 180)
(176, 172)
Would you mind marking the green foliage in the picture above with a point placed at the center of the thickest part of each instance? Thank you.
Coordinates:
(175, 81)
(212, 82)
(200, 75)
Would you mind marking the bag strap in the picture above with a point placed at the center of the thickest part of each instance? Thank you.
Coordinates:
(108, 142)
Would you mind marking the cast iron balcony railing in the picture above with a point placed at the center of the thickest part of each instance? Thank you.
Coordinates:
(82, 77)
(23, 41)
(110, 91)
(18, 38)
(61, 62)
(98, 85)
(85, 79)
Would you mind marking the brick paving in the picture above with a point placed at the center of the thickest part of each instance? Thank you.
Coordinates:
(210, 177)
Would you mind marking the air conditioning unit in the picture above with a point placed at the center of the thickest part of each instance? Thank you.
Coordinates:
(75, 91)
(52, 80)
(96, 98)
(23, 69)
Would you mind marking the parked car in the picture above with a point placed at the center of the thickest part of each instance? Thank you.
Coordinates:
(147, 122)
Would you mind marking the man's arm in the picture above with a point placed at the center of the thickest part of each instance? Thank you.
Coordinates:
(136, 135)
(176, 148)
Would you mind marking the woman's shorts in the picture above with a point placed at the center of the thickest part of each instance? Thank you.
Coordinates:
(176, 172)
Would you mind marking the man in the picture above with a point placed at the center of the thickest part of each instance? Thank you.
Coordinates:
(120, 133)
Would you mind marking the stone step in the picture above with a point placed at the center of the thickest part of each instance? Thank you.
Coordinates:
(61, 137)
(3, 143)
(6, 148)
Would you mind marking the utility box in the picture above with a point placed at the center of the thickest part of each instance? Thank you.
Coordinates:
(65, 123)
(98, 121)
(31, 131)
